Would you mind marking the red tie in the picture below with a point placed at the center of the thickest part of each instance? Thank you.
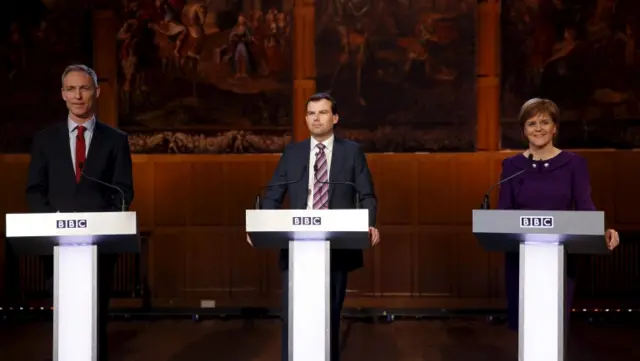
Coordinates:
(81, 149)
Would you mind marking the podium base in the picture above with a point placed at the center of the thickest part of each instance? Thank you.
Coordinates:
(309, 301)
(75, 303)
(542, 310)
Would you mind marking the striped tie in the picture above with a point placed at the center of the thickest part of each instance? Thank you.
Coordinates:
(321, 190)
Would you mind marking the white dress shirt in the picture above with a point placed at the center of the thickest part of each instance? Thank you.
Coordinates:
(328, 151)
(73, 132)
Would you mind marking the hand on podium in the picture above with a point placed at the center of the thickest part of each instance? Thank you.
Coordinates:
(374, 235)
(612, 238)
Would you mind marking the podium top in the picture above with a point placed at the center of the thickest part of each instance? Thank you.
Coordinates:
(38, 233)
(71, 224)
(303, 221)
(343, 228)
(504, 230)
(538, 222)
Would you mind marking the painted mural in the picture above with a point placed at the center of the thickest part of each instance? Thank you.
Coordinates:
(39, 39)
(205, 76)
(403, 72)
(583, 55)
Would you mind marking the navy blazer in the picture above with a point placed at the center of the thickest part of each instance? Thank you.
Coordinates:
(51, 184)
(348, 164)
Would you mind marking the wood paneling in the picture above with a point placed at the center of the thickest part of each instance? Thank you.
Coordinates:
(488, 75)
(105, 30)
(193, 207)
(304, 63)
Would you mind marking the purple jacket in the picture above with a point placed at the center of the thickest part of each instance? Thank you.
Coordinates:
(559, 183)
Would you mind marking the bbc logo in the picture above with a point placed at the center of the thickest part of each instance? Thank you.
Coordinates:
(72, 223)
(536, 222)
(307, 221)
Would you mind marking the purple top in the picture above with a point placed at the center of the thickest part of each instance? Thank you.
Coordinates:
(560, 183)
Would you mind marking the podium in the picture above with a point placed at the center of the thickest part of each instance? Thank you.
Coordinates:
(309, 235)
(542, 238)
(74, 239)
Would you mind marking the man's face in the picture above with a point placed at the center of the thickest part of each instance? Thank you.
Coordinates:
(320, 118)
(79, 94)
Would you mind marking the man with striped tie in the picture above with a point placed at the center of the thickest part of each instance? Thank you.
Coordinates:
(323, 158)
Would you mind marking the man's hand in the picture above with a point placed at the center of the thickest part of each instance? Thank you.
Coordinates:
(249, 240)
(374, 235)
(612, 238)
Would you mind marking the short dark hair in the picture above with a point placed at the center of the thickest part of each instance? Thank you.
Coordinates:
(538, 106)
(324, 96)
(81, 68)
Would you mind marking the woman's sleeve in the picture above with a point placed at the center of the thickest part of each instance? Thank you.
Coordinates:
(581, 186)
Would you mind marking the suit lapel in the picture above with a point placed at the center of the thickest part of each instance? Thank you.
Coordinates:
(305, 154)
(64, 147)
(95, 146)
(337, 163)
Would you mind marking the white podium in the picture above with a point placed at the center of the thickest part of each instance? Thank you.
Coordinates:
(309, 235)
(73, 238)
(543, 238)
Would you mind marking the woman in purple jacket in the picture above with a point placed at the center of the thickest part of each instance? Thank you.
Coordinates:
(557, 180)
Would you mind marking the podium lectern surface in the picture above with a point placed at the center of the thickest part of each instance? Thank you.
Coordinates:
(504, 230)
(343, 228)
(38, 233)
(74, 239)
(542, 238)
(309, 235)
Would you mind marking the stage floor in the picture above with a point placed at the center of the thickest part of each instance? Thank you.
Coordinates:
(259, 340)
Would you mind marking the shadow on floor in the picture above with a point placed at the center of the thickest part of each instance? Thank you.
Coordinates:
(259, 340)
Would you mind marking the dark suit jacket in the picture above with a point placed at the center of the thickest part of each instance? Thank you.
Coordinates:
(51, 185)
(348, 164)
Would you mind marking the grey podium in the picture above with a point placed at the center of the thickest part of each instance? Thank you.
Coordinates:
(543, 238)
(74, 240)
(309, 235)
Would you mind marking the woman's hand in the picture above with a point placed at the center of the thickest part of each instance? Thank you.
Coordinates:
(612, 238)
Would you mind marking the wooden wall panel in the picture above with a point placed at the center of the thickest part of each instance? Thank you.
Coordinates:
(488, 76)
(304, 63)
(143, 189)
(105, 30)
(168, 254)
(396, 262)
(625, 181)
(171, 188)
(433, 261)
(433, 202)
(395, 183)
(193, 208)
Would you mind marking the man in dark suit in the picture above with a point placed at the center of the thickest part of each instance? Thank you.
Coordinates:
(62, 153)
(323, 158)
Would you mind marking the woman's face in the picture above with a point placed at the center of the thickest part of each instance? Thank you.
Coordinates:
(540, 130)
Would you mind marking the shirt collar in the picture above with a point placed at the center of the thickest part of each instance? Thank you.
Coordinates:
(327, 143)
(89, 125)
